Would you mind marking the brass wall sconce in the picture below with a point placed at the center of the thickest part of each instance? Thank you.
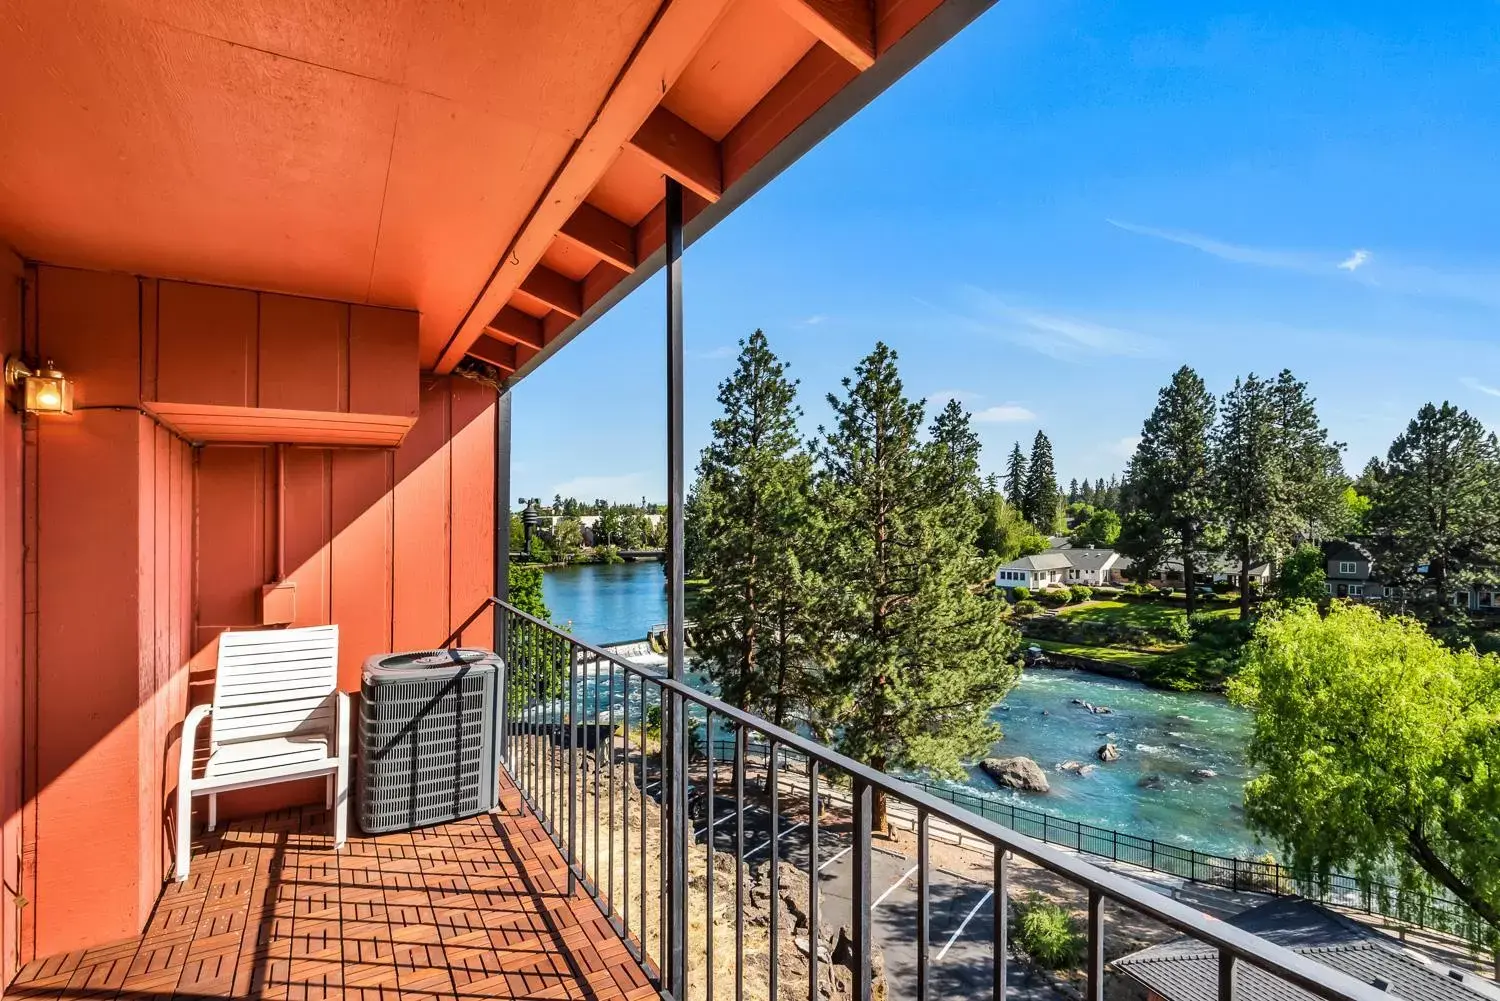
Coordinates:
(47, 391)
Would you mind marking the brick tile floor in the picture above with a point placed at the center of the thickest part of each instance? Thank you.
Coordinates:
(474, 909)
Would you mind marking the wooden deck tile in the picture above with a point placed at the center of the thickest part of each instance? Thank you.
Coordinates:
(470, 911)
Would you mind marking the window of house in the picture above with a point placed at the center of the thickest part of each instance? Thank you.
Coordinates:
(1486, 599)
(1389, 592)
(1347, 567)
(1460, 598)
(1327, 587)
(1356, 590)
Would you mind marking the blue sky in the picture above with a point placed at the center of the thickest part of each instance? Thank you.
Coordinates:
(1074, 198)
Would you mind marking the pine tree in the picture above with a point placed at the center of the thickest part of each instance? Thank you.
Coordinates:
(1015, 477)
(917, 654)
(1437, 502)
(1074, 496)
(752, 505)
(1312, 469)
(957, 465)
(1039, 502)
(1247, 475)
(1171, 496)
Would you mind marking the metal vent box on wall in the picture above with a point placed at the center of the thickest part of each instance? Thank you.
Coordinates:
(428, 751)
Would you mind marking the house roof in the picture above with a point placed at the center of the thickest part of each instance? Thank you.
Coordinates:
(1055, 560)
(1214, 563)
(1090, 559)
(1188, 970)
(1345, 549)
(1059, 542)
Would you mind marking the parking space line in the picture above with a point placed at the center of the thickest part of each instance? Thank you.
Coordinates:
(727, 816)
(841, 853)
(965, 923)
(892, 888)
(767, 843)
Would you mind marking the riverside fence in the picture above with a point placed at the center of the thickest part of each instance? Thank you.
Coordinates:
(1412, 906)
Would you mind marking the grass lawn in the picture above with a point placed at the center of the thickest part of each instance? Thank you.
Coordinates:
(1153, 615)
(1109, 654)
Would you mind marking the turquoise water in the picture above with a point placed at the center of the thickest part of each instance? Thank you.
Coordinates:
(1162, 736)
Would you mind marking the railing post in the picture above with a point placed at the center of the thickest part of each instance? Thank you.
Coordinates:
(1226, 975)
(1096, 947)
(501, 569)
(1002, 920)
(677, 889)
(864, 802)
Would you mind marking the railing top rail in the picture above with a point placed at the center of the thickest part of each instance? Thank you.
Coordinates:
(1316, 978)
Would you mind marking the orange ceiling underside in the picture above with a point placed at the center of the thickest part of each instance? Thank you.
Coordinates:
(415, 153)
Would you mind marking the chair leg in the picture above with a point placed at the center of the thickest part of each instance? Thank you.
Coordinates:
(341, 804)
(213, 810)
(184, 830)
(328, 793)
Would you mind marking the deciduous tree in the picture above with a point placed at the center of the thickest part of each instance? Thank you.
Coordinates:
(918, 654)
(1303, 576)
(1376, 747)
(1101, 529)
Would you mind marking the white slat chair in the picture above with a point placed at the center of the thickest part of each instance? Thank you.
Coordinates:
(278, 716)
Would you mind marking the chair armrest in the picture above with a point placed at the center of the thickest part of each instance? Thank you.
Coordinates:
(343, 739)
(190, 725)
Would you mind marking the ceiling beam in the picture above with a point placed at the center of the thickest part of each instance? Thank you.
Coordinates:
(678, 32)
(496, 353)
(515, 327)
(552, 289)
(845, 26)
(682, 152)
(602, 235)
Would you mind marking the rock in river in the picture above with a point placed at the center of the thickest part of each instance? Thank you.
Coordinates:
(1205, 773)
(1151, 782)
(1017, 773)
(1075, 768)
(1109, 752)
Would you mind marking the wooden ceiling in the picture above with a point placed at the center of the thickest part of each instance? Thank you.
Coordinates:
(495, 164)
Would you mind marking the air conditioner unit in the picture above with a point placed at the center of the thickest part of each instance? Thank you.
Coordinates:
(428, 748)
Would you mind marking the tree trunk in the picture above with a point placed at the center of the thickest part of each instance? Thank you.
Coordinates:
(1245, 581)
(1189, 582)
(1438, 870)
(880, 821)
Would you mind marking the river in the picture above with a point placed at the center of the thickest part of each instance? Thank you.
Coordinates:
(1163, 737)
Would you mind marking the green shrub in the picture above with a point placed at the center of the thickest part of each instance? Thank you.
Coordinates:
(1020, 594)
(1222, 587)
(1081, 592)
(1054, 598)
(1049, 935)
(1109, 591)
(1026, 607)
(1165, 592)
(1176, 629)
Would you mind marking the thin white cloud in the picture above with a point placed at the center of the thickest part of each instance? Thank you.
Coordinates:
(622, 487)
(1482, 287)
(1354, 260)
(1126, 446)
(1478, 386)
(813, 321)
(1006, 413)
(1056, 335)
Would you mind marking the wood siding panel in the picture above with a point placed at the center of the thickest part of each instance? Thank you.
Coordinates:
(383, 361)
(87, 746)
(206, 344)
(472, 474)
(422, 518)
(91, 331)
(233, 484)
(11, 632)
(304, 353)
(307, 532)
(363, 512)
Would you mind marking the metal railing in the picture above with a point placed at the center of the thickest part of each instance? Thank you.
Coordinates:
(1417, 908)
(638, 722)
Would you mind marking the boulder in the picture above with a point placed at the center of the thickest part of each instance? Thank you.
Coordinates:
(1017, 773)
(1151, 782)
(1109, 752)
(1205, 773)
(1071, 766)
(1101, 710)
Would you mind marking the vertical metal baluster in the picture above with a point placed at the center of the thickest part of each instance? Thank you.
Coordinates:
(864, 802)
(611, 759)
(1227, 962)
(680, 825)
(814, 808)
(708, 819)
(573, 852)
(773, 777)
(598, 758)
(739, 862)
(1002, 920)
(665, 852)
(644, 853)
(1096, 947)
(924, 898)
(625, 823)
(558, 786)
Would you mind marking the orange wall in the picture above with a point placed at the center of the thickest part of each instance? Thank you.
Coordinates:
(10, 631)
(146, 548)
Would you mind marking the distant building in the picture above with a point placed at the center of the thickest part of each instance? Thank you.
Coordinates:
(1188, 970)
(1209, 569)
(1063, 567)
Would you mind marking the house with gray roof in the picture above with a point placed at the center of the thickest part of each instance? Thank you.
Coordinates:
(1063, 568)
(1188, 970)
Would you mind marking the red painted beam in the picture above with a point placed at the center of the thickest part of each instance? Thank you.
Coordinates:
(845, 26)
(497, 353)
(555, 290)
(682, 152)
(602, 235)
(515, 327)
